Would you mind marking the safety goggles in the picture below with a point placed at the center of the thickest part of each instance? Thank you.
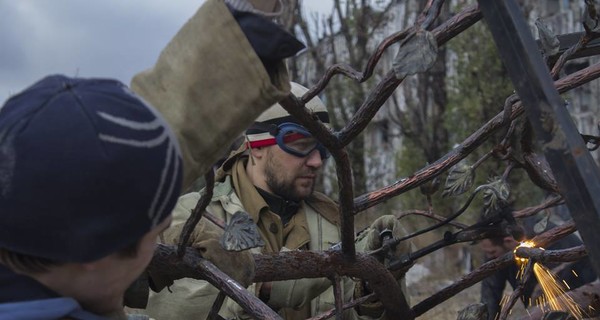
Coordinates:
(293, 139)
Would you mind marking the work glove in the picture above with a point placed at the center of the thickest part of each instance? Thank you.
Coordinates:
(136, 295)
(205, 239)
(372, 239)
(383, 226)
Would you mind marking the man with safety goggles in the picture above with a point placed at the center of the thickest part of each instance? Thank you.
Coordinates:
(291, 138)
(272, 177)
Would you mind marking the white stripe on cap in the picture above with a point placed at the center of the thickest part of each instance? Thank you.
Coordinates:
(259, 136)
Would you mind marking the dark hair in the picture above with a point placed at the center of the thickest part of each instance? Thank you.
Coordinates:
(497, 241)
(26, 263)
(29, 264)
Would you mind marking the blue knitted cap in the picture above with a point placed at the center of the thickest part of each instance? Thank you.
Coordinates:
(86, 168)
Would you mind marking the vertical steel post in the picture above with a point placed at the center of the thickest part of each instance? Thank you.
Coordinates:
(575, 170)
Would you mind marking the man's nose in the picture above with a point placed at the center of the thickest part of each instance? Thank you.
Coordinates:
(314, 159)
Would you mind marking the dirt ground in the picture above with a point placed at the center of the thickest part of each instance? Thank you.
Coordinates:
(435, 272)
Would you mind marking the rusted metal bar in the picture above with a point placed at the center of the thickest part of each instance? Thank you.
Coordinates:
(488, 269)
(586, 297)
(568, 40)
(386, 87)
(338, 292)
(284, 266)
(472, 142)
(197, 213)
(573, 166)
(563, 255)
(517, 293)
(344, 172)
(191, 265)
(290, 265)
(348, 305)
(463, 283)
(449, 239)
(214, 311)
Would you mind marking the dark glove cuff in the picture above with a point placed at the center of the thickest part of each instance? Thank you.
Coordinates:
(372, 309)
(158, 283)
(270, 42)
(136, 295)
(244, 5)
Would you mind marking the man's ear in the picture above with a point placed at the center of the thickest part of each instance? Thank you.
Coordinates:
(257, 153)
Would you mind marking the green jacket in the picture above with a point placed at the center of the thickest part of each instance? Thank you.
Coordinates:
(314, 227)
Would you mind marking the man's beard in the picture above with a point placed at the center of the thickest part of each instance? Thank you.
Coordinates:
(284, 189)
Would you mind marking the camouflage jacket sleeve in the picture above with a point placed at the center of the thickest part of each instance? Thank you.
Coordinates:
(210, 85)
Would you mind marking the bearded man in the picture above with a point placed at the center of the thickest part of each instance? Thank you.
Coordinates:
(272, 177)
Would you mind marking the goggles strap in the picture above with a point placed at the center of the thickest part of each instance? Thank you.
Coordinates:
(261, 143)
(249, 146)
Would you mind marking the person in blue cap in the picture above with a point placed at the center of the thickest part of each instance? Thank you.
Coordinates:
(89, 174)
(90, 171)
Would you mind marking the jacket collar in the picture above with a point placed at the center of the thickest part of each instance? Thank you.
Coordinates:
(246, 191)
(285, 209)
(22, 297)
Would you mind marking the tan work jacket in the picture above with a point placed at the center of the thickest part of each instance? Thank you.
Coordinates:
(314, 227)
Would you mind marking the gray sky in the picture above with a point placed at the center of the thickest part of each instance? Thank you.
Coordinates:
(108, 38)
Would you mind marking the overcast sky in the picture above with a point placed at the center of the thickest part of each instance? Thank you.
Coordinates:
(107, 38)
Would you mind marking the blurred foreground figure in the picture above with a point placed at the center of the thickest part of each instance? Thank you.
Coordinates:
(90, 172)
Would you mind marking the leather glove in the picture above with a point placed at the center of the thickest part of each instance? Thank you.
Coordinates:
(372, 240)
(381, 224)
(205, 239)
(136, 295)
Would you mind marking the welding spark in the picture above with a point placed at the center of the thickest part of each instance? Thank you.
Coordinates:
(524, 244)
(553, 296)
(555, 292)
(503, 301)
(522, 262)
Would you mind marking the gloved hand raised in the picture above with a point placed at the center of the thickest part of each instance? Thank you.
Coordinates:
(372, 239)
(205, 239)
